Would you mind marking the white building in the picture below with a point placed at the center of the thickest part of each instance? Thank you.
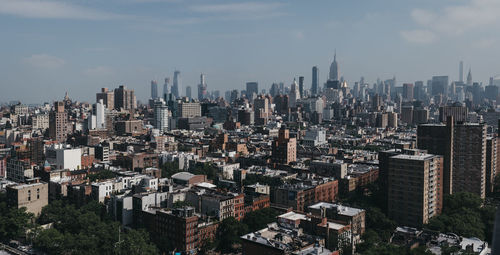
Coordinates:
(161, 116)
(314, 137)
(64, 157)
(100, 115)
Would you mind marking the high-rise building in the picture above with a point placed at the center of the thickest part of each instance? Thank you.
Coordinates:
(440, 85)
(100, 113)
(438, 139)
(463, 146)
(408, 91)
(189, 109)
(301, 86)
(154, 89)
(275, 90)
(202, 88)
(161, 115)
(315, 82)
(469, 158)
(458, 110)
(125, 99)
(58, 123)
(261, 107)
(294, 94)
(108, 98)
(188, 92)
(166, 88)
(491, 163)
(252, 88)
(469, 78)
(177, 84)
(414, 188)
(284, 149)
(334, 69)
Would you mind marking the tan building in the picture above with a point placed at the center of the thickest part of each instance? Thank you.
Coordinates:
(108, 98)
(189, 109)
(58, 123)
(33, 196)
(414, 188)
(284, 148)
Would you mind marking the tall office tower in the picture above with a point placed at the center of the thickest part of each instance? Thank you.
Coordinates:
(461, 72)
(202, 88)
(261, 107)
(439, 85)
(469, 78)
(284, 148)
(315, 82)
(419, 91)
(491, 163)
(161, 115)
(294, 94)
(301, 86)
(188, 92)
(108, 98)
(100, 114)
(154, 89)
(125, 99)
(177, 84)
(252, 89)
(334, 69)
(458, 110)
(414, 188)
(58, 123)
(408, 91)
(438, 139)
(469, 158)
(234, 95)
(166, 88)
(275, 90)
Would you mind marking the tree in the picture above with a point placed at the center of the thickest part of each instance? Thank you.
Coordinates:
(101, 175)
(169, 168)
(259, 219)
(13, 221)
(228, 234)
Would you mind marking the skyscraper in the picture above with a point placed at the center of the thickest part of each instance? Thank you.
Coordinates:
(125, 99)
(301, 86)
(408, 91)
(294, 94)
(100, 115)
(177, 84)
(252, 88)
(439, 85)
(334, 69)
(315, 83)
(58, 123)
(154, 89)
(188, 92)
(161, 115)
(469, 78)
(108, 98)
(166, 88)
(202, 88)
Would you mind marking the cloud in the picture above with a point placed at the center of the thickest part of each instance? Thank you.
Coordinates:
(99, 71)
(298, 35)
(235, 7)
(419, 36)
(52, 10)
(484, 43)
(455, 20)
(44, 61)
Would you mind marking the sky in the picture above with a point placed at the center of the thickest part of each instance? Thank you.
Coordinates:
(49, 47)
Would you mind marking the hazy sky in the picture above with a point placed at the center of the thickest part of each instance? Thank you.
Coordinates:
(79, 46)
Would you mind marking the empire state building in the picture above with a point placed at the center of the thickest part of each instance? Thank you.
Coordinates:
(334, 69)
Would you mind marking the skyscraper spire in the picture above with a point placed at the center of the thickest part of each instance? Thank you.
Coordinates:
(469, 77)
(334, 69)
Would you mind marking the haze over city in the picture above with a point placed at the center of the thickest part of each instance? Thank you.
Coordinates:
(49, 47)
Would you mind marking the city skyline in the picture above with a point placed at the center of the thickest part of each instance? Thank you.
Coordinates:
(261, 43)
